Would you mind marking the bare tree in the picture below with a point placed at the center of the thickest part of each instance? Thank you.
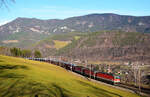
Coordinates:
(5, 3)
(137, 74)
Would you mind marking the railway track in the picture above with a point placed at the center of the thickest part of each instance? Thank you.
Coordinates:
(142, 91)
(121, 86)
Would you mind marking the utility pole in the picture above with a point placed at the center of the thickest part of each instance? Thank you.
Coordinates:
(134, 66)
(59, 61)
(71, 64)
(91, 71)
(109, 68)
(135, 75)
(139, 77)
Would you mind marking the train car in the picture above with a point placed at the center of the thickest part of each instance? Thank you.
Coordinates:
(68, 66)
(78, 69)
(62, 64)
(54, 62)
(89, 73)
(107, 77)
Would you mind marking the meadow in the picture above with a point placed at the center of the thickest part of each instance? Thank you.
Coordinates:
(26, 78)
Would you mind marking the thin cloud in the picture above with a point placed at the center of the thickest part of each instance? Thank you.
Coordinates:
(4, 22)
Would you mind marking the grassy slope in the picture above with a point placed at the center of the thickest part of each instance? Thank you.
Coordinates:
(60, 44)
(23, 78)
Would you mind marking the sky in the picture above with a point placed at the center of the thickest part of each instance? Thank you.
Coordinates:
(61, 9)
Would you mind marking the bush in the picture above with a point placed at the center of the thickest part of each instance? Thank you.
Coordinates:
(16, 52)
(26, 53)
(37, 54)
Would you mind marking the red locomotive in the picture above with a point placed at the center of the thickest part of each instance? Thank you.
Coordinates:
(107, 77)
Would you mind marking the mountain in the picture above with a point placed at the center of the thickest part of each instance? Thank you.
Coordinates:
(57, 37)
(87, 23)
(25, 32)
(97, 22)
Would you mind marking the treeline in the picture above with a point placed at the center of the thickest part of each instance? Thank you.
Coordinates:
(17, 52)
(4, 51)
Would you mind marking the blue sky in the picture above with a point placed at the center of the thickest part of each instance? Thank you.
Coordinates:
(60, 9)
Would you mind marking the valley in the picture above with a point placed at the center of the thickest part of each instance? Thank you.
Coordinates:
(111, 43)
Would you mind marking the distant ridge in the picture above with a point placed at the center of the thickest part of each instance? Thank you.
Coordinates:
(30, 30)
(87, 23)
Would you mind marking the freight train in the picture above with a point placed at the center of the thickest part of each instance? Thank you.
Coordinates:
(97, 75)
